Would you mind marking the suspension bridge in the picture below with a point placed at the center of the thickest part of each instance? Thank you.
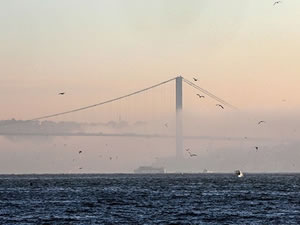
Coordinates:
(179, 137)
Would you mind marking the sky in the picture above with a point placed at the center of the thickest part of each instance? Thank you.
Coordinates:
(245, 52)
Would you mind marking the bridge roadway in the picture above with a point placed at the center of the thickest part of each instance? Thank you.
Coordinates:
(133, 135)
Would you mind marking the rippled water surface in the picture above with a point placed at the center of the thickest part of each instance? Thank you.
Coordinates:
(150, 199)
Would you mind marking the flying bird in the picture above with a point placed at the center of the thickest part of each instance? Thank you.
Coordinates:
(80, 152)
(256, 148)
(166, 124)
(192, 154)
(187, 149)
(277, 2)
(200, 96)
(220, 106)
(61, 93)
(262, 121)
(80, 168)
(195, 79)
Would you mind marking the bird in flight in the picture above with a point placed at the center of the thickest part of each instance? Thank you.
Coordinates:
(80, 152)
(187, 149)
(195, 79)
(200, 96)
(192, 154)
(220, 106)
(256, 148)
(61, 93)
(277, 2)
(262, 121)
(166, 124)
(80, 168)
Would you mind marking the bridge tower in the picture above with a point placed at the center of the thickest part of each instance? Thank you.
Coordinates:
(179, 138)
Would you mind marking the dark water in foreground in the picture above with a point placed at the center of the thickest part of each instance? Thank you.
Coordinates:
(150, 199)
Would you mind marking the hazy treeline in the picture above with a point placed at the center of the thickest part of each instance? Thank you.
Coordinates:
(23, 126)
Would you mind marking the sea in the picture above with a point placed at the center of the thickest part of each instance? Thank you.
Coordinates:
(150, 199)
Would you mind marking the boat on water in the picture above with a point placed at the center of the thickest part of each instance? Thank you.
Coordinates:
(207, 171)
(239, 173)
(149, 169)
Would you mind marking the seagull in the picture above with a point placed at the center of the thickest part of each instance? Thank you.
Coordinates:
(277, 2)
(187, 149)
(220, 106)
(262, 121)
(195, 79)
(166, 124)
(239, 173)
(80, 152)
(192, 155)
(61, 93)
(201, 96)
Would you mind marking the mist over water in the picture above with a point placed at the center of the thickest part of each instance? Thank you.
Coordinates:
(222, 140)
(97, 51)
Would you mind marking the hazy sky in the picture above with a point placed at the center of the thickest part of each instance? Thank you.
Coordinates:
(246, 52)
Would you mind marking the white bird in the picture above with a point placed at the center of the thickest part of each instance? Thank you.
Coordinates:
(239, 173)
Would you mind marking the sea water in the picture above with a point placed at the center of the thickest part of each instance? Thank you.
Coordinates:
(150, 199)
